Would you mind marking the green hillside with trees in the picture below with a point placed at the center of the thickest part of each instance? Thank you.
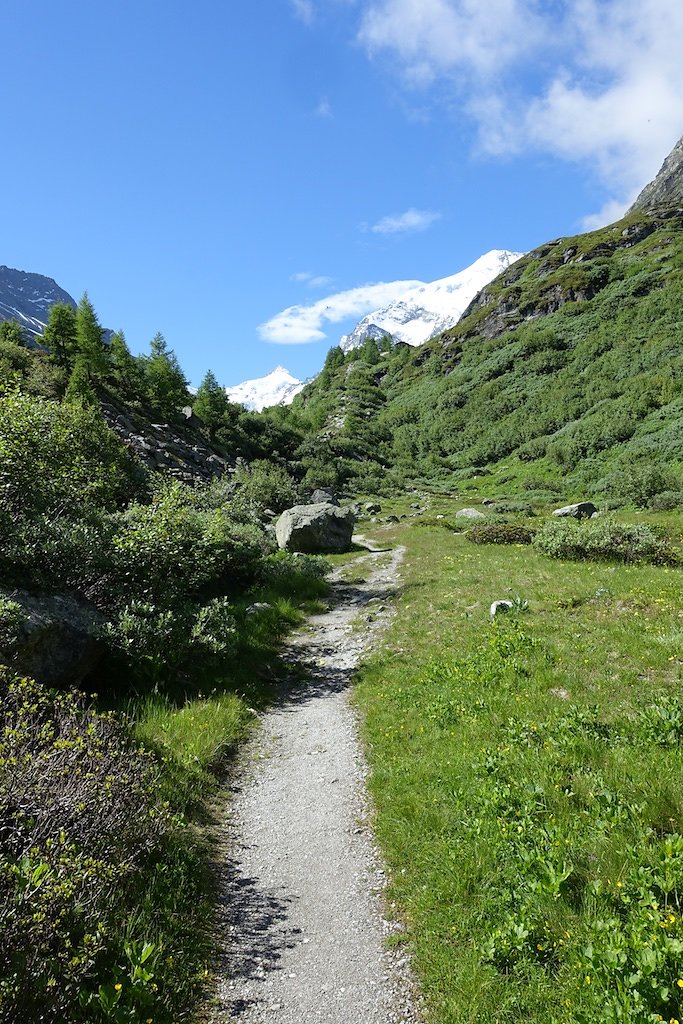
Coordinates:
(565, 375)
(564, 380)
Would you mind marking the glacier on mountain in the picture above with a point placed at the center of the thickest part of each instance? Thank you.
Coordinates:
(427, 309)
(277, 388)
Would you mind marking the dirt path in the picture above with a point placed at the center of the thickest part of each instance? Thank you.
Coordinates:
(302, 907)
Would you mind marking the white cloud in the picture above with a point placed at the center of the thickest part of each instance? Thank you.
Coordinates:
(298, 325)
(304, 10)
(311, 280)
(433, 37)
(597, 82)
(324, 108)
(400, 223)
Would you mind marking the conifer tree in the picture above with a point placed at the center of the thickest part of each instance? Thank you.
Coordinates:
(89, 343)
(13, 332)
(165, 382)
(79, 389)
(125, 368)
(60, 333)
(211, 402)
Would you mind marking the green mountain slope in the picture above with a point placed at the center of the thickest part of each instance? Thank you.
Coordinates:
(567, 369)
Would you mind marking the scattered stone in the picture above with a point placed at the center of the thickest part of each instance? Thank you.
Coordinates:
(314, 528)
(500, 608)
(469, 513)
(581, 510)
(560, 692)
(258, 606)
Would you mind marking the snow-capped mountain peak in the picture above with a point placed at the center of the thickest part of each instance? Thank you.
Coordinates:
(427, 309)
(277, 388)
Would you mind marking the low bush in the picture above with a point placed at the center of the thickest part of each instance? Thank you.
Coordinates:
(80, 825)
(499, 533)
(513, 508)
(666, 501)
(603, 539)
(176, 548)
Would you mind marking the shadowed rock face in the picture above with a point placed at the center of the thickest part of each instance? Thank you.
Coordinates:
(667, 187)
(58, 641)
(314, 528)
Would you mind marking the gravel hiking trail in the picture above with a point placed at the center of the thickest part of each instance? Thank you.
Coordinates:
(302, 918)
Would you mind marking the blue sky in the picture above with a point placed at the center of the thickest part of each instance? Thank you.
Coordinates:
(201, 168)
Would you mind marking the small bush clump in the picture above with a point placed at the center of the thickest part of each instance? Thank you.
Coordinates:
(79, 822)
(499, 533)
(666, 501)
(603, 540)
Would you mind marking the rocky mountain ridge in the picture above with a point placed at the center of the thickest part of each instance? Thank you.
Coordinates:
(27, 298)
(667, 187)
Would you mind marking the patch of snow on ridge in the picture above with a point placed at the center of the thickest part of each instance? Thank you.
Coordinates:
(277, 388)
(427, 309)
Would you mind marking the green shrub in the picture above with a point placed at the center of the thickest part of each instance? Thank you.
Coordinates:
(603, 539)
(214, 632)
(499, 533)
(174, 549)
(295, 574)
(61, 460)
(11, 618)
(79, 820)
(639, 484)
(666, 501)
(265, 485)
(513, 508)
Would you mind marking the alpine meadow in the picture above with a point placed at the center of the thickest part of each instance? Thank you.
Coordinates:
(521, 710)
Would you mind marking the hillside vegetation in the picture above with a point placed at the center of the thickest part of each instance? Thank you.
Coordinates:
(565, 375)
(527, 773)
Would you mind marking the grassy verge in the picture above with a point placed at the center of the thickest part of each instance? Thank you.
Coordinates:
(193, 730)
(528, 779)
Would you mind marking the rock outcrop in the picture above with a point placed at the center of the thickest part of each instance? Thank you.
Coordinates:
(162, 447)
(57, 642)
(667, 188)
(315, 528)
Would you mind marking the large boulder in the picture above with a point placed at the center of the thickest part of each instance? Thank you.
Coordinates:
(315, 528)
(582, 510)
(57, 638)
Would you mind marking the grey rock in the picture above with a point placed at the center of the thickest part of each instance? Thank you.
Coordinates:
(58, 643)
(469, 513)
(323, 496)
(667, 188)
(312, 528)
(581, 510)
(258, 606)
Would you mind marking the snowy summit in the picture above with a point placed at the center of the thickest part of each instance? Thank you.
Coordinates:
(277, 388)
(427, 309)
